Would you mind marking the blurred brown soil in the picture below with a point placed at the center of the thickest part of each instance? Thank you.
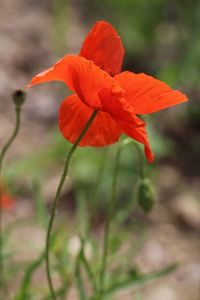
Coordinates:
(26, 47)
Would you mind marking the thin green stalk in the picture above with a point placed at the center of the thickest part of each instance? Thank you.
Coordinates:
(111, 207)
(25, 285)
(13, 136)
(141, 164)
(61, 292)
(107, 225)
(87, 266)
(59, 189)
(80, 282)
(102, 164)
(88, 270)
(2, 155)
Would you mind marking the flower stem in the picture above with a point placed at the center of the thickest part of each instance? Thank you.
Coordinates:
(57, 196)
(87, 266)
(100, 171)
(141, 164)
(2, 155)
(111, 207)
(112, 202)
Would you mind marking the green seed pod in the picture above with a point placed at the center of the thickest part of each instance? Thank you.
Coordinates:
(19, 97)
(146, 195)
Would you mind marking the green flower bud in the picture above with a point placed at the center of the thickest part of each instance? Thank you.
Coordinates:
(146, 195)
(19, 97)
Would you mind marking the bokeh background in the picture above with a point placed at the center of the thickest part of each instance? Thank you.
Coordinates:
(161, 38)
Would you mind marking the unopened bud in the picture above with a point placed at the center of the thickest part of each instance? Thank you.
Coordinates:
(146, 195)
(19, 97)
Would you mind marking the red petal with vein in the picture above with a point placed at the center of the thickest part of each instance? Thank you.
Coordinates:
(121, 111)
(80, 75)
(73, 117)
(115, 104)
(140, 135)
(104, 47)
(147, 94)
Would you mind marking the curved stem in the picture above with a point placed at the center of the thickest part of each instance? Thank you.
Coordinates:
(2, 155)
(57, 196)
(102, 164)
(112, 203)
(141, 164)
(86, 265)
(108, 223)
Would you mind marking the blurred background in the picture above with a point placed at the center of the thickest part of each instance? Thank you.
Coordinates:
(161, 38)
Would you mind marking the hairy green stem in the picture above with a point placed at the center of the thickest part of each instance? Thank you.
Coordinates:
(57, 196)
(2, 155)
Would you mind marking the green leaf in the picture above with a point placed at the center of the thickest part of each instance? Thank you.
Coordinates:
(59, 293)
(135, 280)
(24, 290)
(79, 279)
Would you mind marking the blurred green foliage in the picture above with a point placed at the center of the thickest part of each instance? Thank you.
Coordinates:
(161, 37)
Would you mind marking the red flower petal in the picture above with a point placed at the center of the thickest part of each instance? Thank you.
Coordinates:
(104, 47)
(147, 94)
(115, 104)
(6, 201)
(121, 111)
(81, 76)
(140, 135)
(74, 115)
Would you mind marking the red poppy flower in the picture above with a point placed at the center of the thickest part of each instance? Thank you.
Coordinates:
(94, 77)
(6, 201)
